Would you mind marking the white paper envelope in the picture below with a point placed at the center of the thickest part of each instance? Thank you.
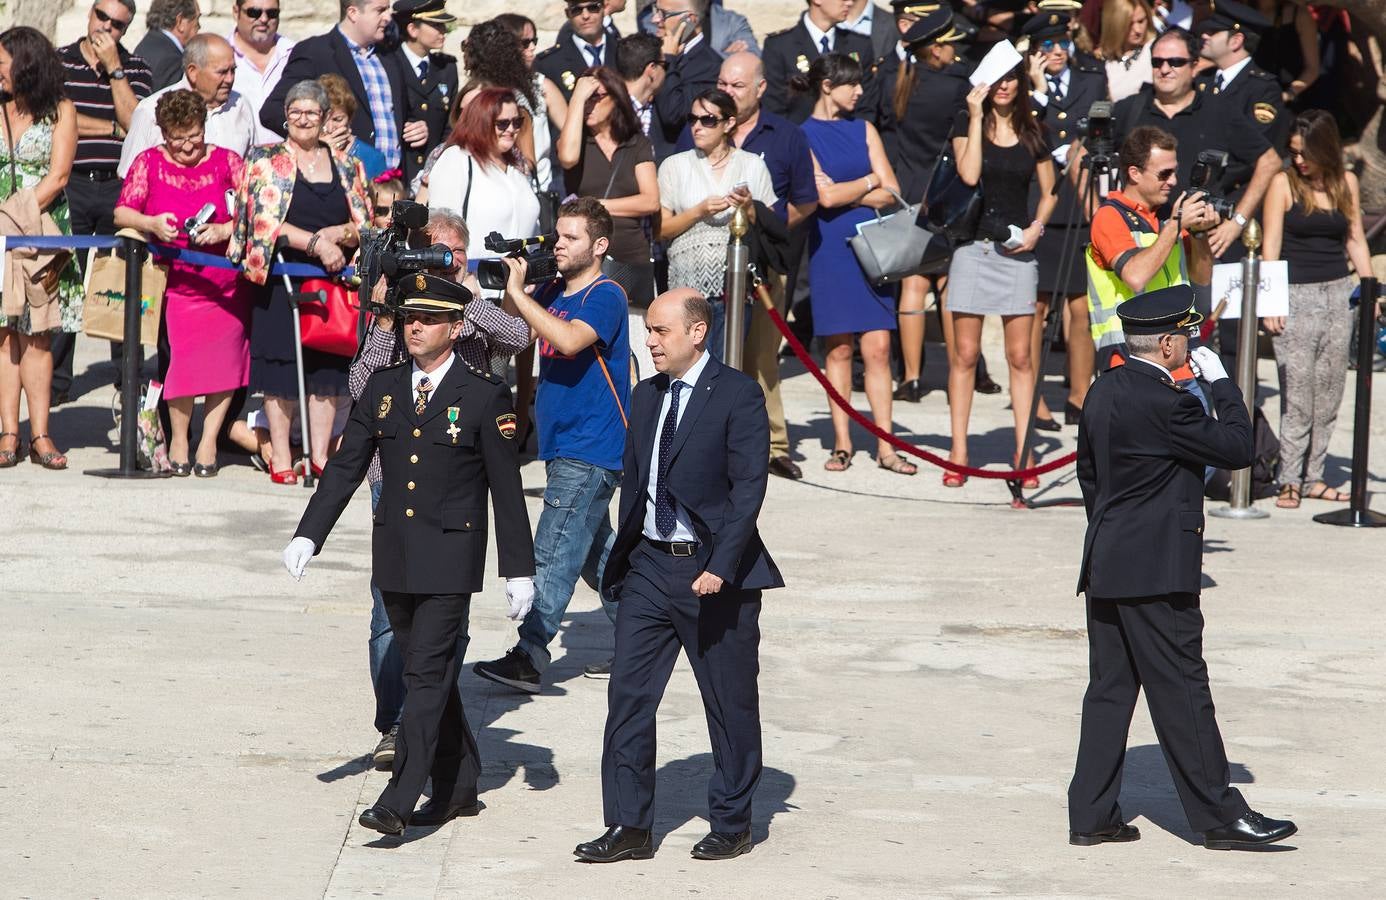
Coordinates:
(1272, 295)
(1000, 59)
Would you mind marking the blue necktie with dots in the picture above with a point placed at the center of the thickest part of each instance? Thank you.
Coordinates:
(664, 509)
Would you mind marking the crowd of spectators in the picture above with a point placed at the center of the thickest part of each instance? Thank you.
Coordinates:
(812, 131)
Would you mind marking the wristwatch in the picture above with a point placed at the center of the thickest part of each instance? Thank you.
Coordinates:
(1239, 219)
(117, 74)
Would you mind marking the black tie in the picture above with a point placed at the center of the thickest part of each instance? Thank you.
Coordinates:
(823, 44)
(1056, 88)
(1217, 84)
(664, 509)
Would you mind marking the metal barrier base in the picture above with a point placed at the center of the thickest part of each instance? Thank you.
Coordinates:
(1355, 518)
(122, 473)
(1245, 512)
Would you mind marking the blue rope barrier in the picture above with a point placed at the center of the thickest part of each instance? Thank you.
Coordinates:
(63, 242)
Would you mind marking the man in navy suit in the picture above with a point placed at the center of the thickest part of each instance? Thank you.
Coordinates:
(687, 569)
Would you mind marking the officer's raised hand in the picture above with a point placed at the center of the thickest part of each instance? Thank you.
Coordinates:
(519, 593)
(1206, 364)
(297, 555)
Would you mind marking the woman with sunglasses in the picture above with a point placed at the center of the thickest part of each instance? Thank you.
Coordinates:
(483, 176)
(1313, 221)
(549, 110)
(316, 200)
(699, 190)
(999, 144)
(206, 311)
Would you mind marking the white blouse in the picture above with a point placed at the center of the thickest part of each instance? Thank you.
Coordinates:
(501, 201)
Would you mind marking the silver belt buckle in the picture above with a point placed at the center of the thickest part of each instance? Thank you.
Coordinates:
(681, 548)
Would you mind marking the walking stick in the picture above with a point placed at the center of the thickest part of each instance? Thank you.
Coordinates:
(298, 363)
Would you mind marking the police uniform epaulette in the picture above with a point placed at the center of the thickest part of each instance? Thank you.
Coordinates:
(1256, 72)
(1172, 386)
(395, 365)
(782, 31)
(1086, 62)
(442, 59)
(544, 54)
(483, 374)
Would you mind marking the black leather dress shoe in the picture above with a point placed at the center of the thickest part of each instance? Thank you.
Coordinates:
(721, 845)
(1114, 835)
(1048, 425)
(785, 467)
(617, 844)
(1251, 830)
(434, 814)
(382, 819)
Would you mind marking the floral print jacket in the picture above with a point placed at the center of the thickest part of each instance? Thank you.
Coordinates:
(262, 201)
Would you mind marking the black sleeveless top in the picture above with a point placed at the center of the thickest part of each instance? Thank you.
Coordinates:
(1315, 245)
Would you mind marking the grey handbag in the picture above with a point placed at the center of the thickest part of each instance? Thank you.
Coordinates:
(892, 247)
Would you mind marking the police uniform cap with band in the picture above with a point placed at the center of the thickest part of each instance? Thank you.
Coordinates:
(1062, 6)
(917, 7)
(431, 294)
(433, 12)
(1229, 15)
(941, 26)
(1165, 311)
(1047, 25)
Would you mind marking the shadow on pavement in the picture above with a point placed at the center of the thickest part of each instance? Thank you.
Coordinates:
(681, 796)
(1148, 790)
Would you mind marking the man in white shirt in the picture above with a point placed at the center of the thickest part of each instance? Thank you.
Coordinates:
(261, 52)
(210, 70)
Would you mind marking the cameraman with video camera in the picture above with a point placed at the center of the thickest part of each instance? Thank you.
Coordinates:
(487, 333)
(580, 412)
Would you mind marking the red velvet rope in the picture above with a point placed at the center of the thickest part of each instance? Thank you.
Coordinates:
(889, 438)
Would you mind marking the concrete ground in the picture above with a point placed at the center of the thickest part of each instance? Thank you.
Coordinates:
(182, 719)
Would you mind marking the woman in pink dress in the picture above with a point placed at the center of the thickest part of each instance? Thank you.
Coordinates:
(206, 312)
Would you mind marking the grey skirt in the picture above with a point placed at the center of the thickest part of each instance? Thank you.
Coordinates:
(985, 282)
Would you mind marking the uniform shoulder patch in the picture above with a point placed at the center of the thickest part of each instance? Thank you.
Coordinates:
(506, 425)
(1263, 113)
(1257, 72)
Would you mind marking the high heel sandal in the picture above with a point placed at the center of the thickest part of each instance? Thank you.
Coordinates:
(285, 476)
(1027, 484)
(10, 458)
(54, 459)
(954, 479)
(1072, 413)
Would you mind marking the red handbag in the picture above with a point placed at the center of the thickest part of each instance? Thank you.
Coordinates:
(329, 326)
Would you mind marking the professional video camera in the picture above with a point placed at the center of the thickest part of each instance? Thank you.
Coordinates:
(537, 251)
(1095, 129)
(385, 253)
(1206, 173)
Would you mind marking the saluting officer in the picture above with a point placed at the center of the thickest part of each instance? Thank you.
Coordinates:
(1229, 38)
(1143, 443)
(445, 432)
(429, 77)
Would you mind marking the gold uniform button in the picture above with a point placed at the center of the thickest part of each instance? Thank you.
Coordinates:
(1063, 115)
(410, 485)
(409, 513)
(417, 432)
(414, 457)
(423, 106)
(469, 525)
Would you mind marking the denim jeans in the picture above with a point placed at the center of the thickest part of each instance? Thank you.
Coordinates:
(387, 666)
(573, 539)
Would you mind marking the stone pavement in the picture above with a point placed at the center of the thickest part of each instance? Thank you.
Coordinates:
(182, 719)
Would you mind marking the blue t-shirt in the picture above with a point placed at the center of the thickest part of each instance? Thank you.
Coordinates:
(574, 409)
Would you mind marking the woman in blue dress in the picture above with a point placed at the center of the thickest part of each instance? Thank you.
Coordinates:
(853, 173)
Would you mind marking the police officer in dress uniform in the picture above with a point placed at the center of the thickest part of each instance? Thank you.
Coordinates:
(582, 43)
(429, 77)
(793, 50)
(1229, 37)
(446, 433)
(1143, 443)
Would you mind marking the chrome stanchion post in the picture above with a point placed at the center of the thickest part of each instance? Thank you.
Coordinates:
(734, 300)
(1240, 506)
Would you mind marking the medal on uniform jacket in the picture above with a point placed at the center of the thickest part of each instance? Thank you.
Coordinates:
(505, 424)
(855, 55)
(1264, 113)
(453, 430)
(384, 409)
(568, 80)
(802, 63)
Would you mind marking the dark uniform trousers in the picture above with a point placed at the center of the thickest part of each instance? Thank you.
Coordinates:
(658, 614)
(1155, 643)
(434, 739)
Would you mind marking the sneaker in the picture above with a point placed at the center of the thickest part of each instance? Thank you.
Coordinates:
(384, 755)
(512, 670)
(600, 670)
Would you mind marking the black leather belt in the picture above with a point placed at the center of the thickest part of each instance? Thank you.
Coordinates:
(674, 548)
(96, 174)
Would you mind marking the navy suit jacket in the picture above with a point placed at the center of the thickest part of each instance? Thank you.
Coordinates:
(717, 473)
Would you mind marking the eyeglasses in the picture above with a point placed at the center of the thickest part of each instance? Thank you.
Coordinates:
(1049, 46)
(304, 114)
(191, 140)
(660, 15)
(514, 124)
(576, 9)
(255, 12)
(529, 42)
(104, 19)
(1174, 62)
(705, 121)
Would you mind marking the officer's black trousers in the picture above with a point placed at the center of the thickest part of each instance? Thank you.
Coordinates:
(434, 739)
(1155, 643)
(658, 612)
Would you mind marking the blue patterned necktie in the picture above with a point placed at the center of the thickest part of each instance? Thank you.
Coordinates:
(596, 53)
(823, 44)
(664, 509)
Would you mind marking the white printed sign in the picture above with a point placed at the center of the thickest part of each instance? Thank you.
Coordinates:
(1272, 294)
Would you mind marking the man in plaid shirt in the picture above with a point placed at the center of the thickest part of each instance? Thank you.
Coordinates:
(488, 334)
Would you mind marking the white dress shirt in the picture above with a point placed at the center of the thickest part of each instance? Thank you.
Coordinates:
(501, 200)
(1231, 72)
(255, 85)
(435, 377)
(231, 125)
(601, 48)
(1150, 362)
(683, 526)
(1065, 81)
(817, 36)
(414, 58)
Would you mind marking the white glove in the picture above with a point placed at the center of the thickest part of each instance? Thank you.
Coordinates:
(297, 554)
(1206, 364)
(520, 594)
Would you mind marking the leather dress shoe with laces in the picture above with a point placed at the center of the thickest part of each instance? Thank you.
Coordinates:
(433, 813)
(1118, 833)
(1251, 830)
(382, 819)
(785, 467)
(619, 842)
(722, 845)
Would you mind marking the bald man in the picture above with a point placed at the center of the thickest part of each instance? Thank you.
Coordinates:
(209, 69)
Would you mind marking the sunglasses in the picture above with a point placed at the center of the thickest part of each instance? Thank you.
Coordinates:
(1050, 46)
(1174, 62)
(104, 19)
(528, 42)
(510, 124)
(382, 210)
(705, 121)
(255, 12)
(576, 9)
(1165, 174)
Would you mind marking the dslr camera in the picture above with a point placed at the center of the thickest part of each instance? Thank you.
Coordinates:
(1095, 129)
(1207, 172)
(385, 253)
(537, 251)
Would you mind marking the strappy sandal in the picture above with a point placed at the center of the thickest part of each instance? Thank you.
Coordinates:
(10, 458)
(1324, 492)
(839, 461)
(954, 479)
(1288, 498)
(1026, 484)
(895, 463)
(53, 459)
